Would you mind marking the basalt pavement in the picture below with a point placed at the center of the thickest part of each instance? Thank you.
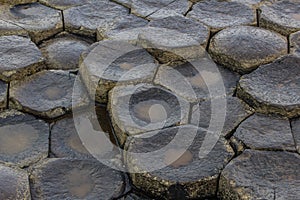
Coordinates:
(254, 44)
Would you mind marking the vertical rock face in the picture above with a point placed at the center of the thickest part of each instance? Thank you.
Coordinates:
(296, 133)
(3, 95)
(295, 43)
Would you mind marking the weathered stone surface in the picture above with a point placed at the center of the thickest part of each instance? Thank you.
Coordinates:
(261, 175)
(63, 4)
(108, 63)
(296, 133)
(75, 179)
(47, 94)
(145, 8)
(23, 139)
(221, 14)
(244, 48)
(295, 43)
(135, 109)
(17, 1)
(281, 16)
(14, 184)
(63, 52)
(236, 112)
(133, 196)
(274, 88)
(39, 21)
(3, 95)
(253, 3)
(18, 57)
(186, 175)
(266, 133)
(87, 18)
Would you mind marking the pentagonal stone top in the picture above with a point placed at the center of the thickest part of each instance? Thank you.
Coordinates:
(296, 133)
(47, 94)
(266, 133)
(75, 179)
(261, 175)
(18, 57)
(274, 88)
(23, 139)
(39, 21)
(63, 51)
(221, 14)
(63, 4)
(145, 8)
(185, 173)
(87, 18)
(14, 184)
(281, 16)
(295, 43)
(3, 95)
(135, 109)
(244, 48)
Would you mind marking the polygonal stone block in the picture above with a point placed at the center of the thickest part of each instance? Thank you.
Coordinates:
(3, 95)
(244, 48)
(274, 88)
(75, 179)
(296, 133)
(186, 175)
(48, 94)
(23, 139)
(63, 4)
(18, 57)
(295, 43)
(261, 175)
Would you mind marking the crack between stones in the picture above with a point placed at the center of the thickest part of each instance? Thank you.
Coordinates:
(288, 44)
(257, 17)
(7, 95)
(63, 20)
(190, 9)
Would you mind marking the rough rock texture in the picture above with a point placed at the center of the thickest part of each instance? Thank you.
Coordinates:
(23, 139)
(63, 51)
(186, 175)
(296, 132)
(221, 14)
(244, 48)
(295, 43)
(281, 16)
(47, 94)
(75, 179)
(133, 196)
(261, 175)
(18, 57)
(274, 88)
(63, 4)
(145, 8)
(3, 95)
(17, 1)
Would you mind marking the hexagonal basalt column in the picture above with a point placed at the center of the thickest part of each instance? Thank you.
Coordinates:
(221, 14)
(63, 51)
(244, 48)
(75, 179)
(47, 94)
(63, 4)
(23, 139)
(281, 16)
(185, 175)
(3, 95)
(274, 88)
(296, 133)
(295, 43)
(14, 184)
(18, 57)
(39, 21)
(261, 175)
(135, 109)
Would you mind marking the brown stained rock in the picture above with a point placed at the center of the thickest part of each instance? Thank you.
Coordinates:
(281, 16)
(244, 48)
(14, 184)
(295, 43)
(47, 94)
(63, 51)
(135, 109)
(3, 95)
(23, 139)
(145, 8)
(188, 177)
(218, 14)
(75, 179)
(296, 133)
(63, 4)
(261, 175)
(35, 19)
(19, 57)
(274, 88)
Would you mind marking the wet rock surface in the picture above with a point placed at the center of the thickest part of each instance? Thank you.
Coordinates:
(295, 43)
(3, 95)
(296, 133)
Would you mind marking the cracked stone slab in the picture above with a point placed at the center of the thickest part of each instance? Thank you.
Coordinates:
(14, 183)
(274, 88)
(222, 14)
(19, 57)
(35, 19)
(135, 109)
(63, 4)
(261, 175)
(85, 19)
(63, 52)
(236, 112)
(3, 95)
(48, 94)
(75, 179)
(296, 132)
(145, 8)
(23, 138)
(244, 48)
(281, 16)
(185, 175)
(261, 132)
(109, 63)
(295, 43)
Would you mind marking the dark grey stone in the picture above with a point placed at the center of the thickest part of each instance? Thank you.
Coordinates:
(296, 133)
(63, 4)
(295, 43)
